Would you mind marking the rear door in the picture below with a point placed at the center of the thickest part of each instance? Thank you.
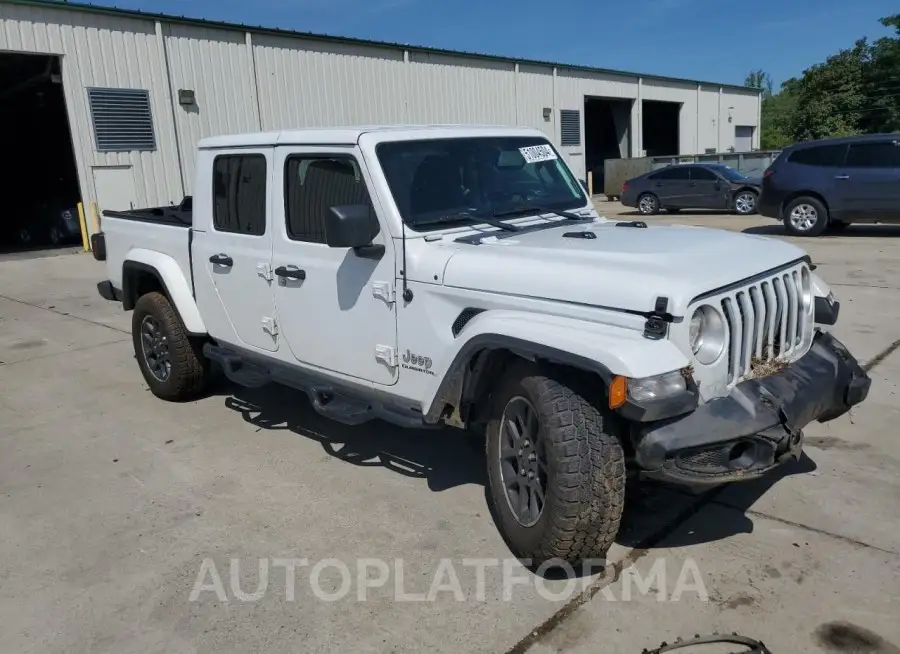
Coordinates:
(671, 186)
(869, 182)
(232, 260)
(706, 190)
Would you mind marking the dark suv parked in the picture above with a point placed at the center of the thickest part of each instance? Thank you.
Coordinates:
(816, 185)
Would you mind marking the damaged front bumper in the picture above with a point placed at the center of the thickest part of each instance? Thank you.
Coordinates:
(758, 425)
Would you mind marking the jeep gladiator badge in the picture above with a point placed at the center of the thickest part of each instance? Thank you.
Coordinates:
(417, 363)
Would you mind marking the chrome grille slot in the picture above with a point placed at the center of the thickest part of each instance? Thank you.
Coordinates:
(765, 321)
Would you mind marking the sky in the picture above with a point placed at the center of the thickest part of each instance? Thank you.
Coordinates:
(708, 40)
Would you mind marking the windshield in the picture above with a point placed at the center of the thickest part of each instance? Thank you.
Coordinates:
(434, 180)
(731, 174)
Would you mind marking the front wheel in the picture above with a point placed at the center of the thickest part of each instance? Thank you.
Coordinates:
(648, 204)
(745, 203)
(556, 470)
(805, 216)
(170, 360)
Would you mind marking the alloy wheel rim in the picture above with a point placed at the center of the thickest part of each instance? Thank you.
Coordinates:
(804, 217)
(647, 205)
(523, 461)
(745, 203)
(155, 348)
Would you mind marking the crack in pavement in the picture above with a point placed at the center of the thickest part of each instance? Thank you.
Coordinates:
(881, 356)
(63, 313)
(636, 554)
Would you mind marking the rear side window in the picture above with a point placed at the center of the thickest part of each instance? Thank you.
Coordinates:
(877, 154)
(314, 184)
(676, 172)
(820, 155)
(703, 175)
(239, 194)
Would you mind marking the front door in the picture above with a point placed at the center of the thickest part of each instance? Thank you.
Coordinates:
(232, 259)
(869, 183)
(336, 307)
(707, 190)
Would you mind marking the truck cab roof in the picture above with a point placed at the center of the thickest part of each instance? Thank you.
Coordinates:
(352, 135)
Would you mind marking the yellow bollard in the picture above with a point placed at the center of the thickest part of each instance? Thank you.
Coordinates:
(85, 242)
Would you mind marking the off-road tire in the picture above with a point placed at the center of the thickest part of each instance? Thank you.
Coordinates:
(821, 213)
(190, 370)
(585, 489)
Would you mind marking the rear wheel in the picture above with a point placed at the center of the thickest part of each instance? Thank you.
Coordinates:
(170, 360)
(648, 204)
(556, 471)
(805, 216)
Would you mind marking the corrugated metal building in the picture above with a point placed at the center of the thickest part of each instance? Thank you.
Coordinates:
(190, 79)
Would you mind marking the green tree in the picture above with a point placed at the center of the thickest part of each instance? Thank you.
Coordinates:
(831, 96)
(759, 79)
(881, 80)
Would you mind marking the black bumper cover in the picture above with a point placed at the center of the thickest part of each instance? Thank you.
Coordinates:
(758, 425)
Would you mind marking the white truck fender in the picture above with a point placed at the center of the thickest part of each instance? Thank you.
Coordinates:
(604, 349)
(173, 281)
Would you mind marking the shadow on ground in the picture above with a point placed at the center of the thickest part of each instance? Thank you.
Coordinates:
(447, 458)
(851, 231)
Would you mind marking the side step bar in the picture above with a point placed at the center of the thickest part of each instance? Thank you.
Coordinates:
(325, 399)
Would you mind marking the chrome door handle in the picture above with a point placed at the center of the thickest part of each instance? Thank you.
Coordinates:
(842, 176)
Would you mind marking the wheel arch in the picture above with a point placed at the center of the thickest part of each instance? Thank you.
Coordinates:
(593, 352)
(145, 271)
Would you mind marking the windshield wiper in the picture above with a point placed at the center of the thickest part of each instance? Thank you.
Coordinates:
(524, 211)
(473, 220)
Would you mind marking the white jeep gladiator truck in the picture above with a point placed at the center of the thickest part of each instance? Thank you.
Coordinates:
(461, 276)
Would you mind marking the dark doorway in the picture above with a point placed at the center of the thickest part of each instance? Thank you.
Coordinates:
(39, 177)
(661, 128)
(607, 134)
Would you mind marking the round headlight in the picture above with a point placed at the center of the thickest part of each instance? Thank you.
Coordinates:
(707, 334)
(806, 296)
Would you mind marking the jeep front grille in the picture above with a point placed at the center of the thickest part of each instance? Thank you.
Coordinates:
(765, 322)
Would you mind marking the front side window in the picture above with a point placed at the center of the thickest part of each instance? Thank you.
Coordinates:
(731, 174)
(877, 154)
(434, 180)
(315, 183)
(239, 194)
(703, 175)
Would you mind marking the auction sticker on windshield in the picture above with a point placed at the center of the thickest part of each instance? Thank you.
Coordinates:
(536, 153)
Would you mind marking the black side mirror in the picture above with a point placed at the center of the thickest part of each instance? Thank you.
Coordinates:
(350, 226)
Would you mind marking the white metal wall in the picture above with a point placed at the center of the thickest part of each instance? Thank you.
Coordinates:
(106, 51)
(247, 81)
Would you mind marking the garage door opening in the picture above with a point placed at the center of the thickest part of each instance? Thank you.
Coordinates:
(40, 180)
(661, 128)
(607, 133)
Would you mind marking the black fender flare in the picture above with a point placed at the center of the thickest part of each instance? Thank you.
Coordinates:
(461, 378)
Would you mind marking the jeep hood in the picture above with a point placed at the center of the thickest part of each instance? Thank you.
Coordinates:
(623, 268)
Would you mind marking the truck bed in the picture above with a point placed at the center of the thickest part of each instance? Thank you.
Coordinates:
(179, 216)
(145, 235)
